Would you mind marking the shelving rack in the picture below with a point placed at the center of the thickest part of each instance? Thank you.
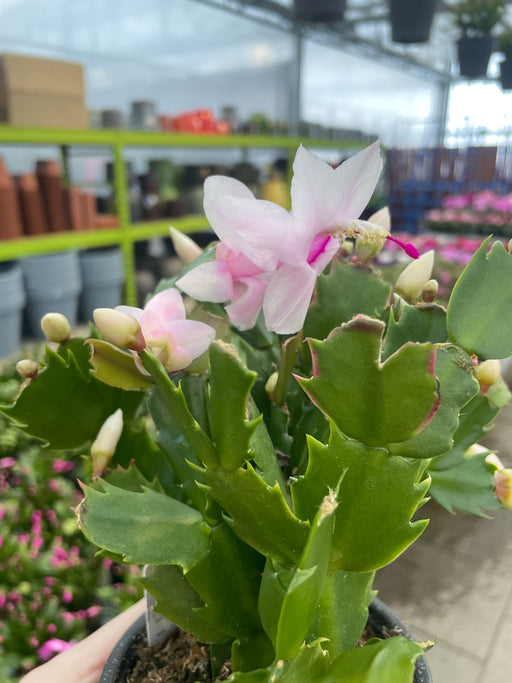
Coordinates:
(118, 142)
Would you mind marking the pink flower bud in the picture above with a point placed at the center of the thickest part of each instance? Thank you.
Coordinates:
(105, 444)
(186, 249)
(503, 490)
(119, 328)
(56, 327)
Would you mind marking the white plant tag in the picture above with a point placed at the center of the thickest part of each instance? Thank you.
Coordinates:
(157, 626)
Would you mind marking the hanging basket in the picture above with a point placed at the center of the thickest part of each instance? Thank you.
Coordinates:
(320, 10)
(474, 55)
(411, 21)
(506, 74)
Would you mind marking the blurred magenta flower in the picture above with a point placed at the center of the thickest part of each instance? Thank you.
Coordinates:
(53, 647)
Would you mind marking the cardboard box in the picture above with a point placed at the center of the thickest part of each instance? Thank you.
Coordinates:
(42, 92)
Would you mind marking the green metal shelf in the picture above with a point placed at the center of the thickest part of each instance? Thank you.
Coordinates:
(188, 224)
(128, 138)
(118, 141)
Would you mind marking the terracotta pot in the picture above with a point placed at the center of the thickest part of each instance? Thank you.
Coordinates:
(88, 210)
(10, 215)
(122, 659)
(50, 182)
(411, 21)
(474, 55)
(31, 204)
(73, 207)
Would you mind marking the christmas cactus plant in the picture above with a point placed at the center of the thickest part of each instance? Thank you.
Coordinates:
(265, 446)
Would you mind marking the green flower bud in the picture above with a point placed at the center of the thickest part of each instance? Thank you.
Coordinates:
(27, 368)
(415, 276)
(429, 291)
(488, 372)
(56, 327)
(105, 444)
(271, 383)
(185, 247)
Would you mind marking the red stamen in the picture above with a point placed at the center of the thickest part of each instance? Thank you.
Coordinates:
(409, 249)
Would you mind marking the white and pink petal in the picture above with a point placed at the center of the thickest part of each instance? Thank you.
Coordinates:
(287, 298)
(244, 310)
(208, 282)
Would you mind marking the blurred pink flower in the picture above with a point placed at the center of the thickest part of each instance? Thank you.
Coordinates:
(60, 465)
(7, 462)
(53, 647)
(67, 596)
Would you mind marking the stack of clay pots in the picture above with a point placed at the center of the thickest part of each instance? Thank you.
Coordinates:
(40, 203)
(11, 226)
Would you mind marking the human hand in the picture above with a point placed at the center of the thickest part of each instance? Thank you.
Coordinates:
(84, 662)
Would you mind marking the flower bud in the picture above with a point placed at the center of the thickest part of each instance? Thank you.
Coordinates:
(105, 444)
(492, 458)
(367, 251)
(415, 276)
(27, 368)
(271, 384)
(503, 483)
(382, 217)
(399, 305)
(119, 328)
(346, 248)
(185, 247)
(429, 291)
(509, 246)
(488, 372)
(56, 327)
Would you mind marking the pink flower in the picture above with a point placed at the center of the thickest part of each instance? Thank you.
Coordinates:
(268, 258)
(458, 201)
(60, 465)
(93, 611)
(67, 596)
(7, 462)
(53, 647)
(174, 340)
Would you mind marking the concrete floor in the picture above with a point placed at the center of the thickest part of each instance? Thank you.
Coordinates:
(454, 585)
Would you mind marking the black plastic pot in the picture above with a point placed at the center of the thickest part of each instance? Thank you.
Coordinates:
(381, 619)
(506, 74)
(320, 10)
(411, 21)
(474, 54)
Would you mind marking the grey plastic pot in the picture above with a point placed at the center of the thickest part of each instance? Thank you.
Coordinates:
(52, 284)
(381, 619)
(12, 300)
(102, 273)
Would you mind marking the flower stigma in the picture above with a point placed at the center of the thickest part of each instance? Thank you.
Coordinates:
(371, 234)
